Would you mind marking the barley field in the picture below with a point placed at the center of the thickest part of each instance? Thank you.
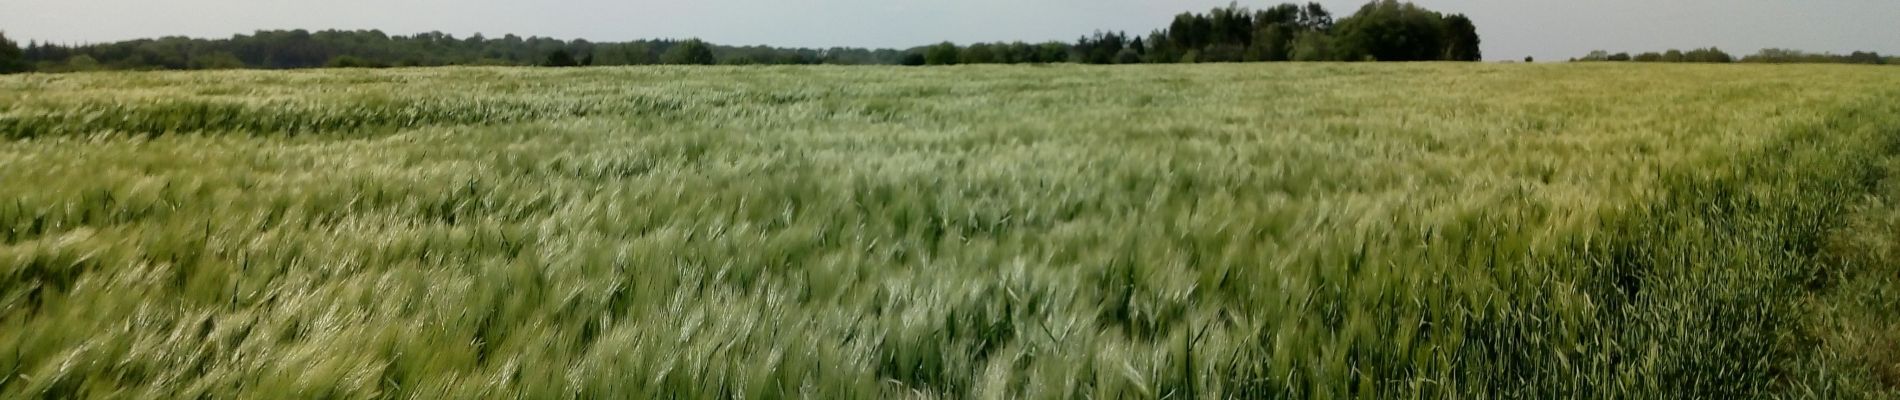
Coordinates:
(997, 232)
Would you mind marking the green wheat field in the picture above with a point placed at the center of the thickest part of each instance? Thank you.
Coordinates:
(999, 232)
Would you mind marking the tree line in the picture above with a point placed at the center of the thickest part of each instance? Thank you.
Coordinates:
(1765, 56)
(1382, 30)
(287, 49)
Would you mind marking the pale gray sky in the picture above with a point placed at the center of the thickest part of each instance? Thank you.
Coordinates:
(1511, 29)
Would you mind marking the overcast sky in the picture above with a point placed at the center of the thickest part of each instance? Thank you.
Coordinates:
(1511, 29)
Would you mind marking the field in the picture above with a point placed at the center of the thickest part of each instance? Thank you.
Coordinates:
(1203, 231)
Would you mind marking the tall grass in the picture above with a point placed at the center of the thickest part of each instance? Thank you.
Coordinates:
(1296, 231)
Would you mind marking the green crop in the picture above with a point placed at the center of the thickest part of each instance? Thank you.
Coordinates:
(1182, 231)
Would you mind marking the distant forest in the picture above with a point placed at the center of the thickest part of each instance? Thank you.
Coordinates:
(1715, 55)
(1382, 30)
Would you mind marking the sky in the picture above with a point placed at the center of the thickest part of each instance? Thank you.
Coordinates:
(1511, 29)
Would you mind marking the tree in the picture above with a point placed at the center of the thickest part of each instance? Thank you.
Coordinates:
(1128, 56)
(1673, 55)
(945, 53)
(1649, 57)
(690, 52)
(1388, 30)
(1861, 57)
(977, 53)
(11, 58)
(1313, 46)
(1708, 55)
(352, 62)
(912, 59)
(1529, 59)
(81, 63)
(1053, 52)
(1461, 39)
(1100, 48)
(559, 58)
(1273, 42)
(1189, 31)
(225, 60)
(1316, 18)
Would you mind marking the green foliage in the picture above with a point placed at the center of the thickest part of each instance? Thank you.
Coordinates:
(1313, 46)
(690, 52)
(226, 60)
(1855, 315)
(354, 62)
(1390, 30)
(1707, 55)
(945, 53)
(560, 58)
(913, 59)
(1128, 56)
(1507, 231)
(1461, 39)
(978, 53)
(1786, 56)
(81, 63)
(303, 49)
(1228, 34)
(11, 58)
(1105, 48)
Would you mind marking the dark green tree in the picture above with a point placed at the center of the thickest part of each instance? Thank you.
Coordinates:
(560, 58)
(1128, 56)
(350, 62)
(1673, 55)
(11, 58)
(1273, 42)
(945, 53)
(912, 59)
(1389, 30)
(1190, 31)
(690, 52)
(1864, 57)
(977, 53)
(1054, 52)
(1313, 46)
(1708, 55)
(1461, 39)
